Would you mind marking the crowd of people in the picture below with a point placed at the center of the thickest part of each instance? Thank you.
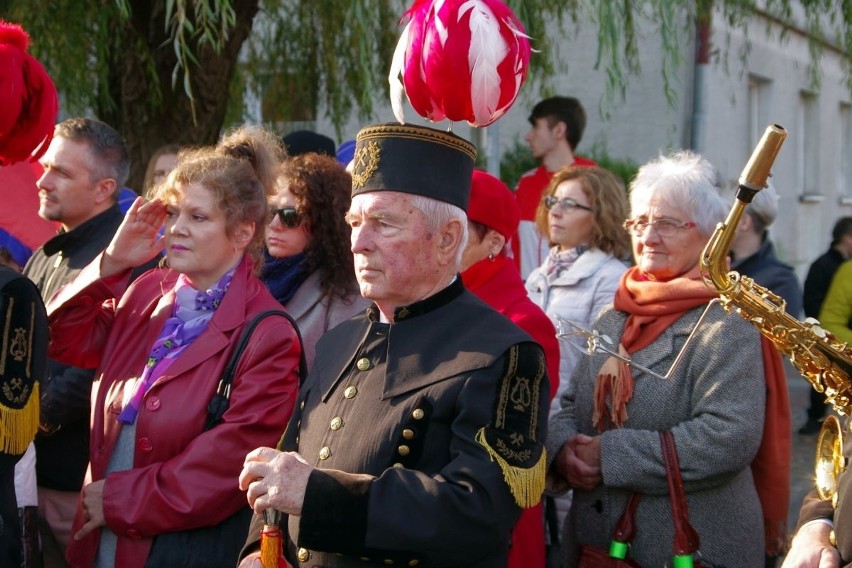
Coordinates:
(391, 350)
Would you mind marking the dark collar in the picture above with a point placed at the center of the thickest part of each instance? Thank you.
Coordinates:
(433, 302)
(83, 233)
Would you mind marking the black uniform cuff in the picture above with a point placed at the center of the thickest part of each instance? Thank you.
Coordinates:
(334, 514)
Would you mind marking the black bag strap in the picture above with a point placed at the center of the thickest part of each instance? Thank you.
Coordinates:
(551, 519)
(220, 401)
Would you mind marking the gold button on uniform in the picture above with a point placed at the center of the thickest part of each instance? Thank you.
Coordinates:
(408, 433)
(414, 562)
(363, 364)
(324, 453)
(304, 555)
(336, 423)
(418, 413)
(404, 450)
(398, 465)
(350, 392)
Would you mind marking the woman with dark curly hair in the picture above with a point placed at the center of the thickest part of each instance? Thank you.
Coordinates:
(308, 265)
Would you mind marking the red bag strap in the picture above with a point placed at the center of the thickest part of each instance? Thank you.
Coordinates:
(686, 538)
(625, 528)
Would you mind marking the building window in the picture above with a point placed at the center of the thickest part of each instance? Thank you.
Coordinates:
(758, 107)
(808, 144)
(844, 158)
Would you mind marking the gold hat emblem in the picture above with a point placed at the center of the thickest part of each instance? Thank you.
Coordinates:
(365, 164)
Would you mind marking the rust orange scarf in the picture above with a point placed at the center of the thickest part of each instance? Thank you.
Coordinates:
(653, 307)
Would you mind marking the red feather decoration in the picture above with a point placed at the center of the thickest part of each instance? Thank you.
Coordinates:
(28, 99)
(460, 59)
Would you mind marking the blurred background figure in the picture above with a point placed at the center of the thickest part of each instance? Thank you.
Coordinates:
(308, 266)
(305, 141)
(604, 439)
(488, 272)
(162, 161)
(157, 468)
(817, 282)
(836, 312)
(754, 253)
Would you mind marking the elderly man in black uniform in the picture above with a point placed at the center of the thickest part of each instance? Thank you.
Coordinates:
(418, 437)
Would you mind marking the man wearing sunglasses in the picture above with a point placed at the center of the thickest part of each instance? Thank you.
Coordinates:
(557, 127)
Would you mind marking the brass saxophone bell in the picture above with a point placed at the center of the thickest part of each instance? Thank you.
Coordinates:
(829, 462)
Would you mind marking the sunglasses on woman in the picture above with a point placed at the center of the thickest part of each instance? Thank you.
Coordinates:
(288, 216)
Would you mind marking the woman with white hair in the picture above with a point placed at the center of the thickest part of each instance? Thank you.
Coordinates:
(605, 440)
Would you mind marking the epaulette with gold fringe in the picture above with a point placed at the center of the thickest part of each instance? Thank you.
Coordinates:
(23, 344)
(512, 440)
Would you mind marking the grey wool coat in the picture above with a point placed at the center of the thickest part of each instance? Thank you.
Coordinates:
(713, 404)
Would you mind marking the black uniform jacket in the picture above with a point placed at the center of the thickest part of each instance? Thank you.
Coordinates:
(425, 433)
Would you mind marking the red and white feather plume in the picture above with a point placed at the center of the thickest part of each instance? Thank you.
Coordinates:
(459, 60)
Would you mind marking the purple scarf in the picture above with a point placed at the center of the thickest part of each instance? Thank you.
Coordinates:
(193, 310)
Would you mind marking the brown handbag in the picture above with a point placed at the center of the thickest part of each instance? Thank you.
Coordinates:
(686, 541)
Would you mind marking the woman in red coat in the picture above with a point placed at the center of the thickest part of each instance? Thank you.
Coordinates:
(493, 217)
(160, 347)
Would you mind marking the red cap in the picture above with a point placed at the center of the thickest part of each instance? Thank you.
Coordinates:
(28, 100)
(493, 204)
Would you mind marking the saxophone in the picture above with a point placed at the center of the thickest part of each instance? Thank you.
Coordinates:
(823, 360)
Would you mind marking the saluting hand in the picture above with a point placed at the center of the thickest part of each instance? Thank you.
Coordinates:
(137, 240)
(275, 480)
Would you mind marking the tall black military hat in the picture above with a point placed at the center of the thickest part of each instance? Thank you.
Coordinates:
(413, 159)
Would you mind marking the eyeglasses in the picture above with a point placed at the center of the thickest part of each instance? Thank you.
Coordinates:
(552, 201)
(288, 216)
(664, 227)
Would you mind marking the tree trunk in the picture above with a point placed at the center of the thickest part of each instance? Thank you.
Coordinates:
(145, 51)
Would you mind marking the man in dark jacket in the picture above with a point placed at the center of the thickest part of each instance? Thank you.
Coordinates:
(816, 287)
(754, 253)
(419, 434)
(84, 167)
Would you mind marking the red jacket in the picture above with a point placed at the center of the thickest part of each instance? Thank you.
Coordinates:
(499, 285)
(182, 477)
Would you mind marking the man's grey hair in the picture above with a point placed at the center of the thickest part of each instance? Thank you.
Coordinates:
(682, 179)
(438, 214)
(111, 157)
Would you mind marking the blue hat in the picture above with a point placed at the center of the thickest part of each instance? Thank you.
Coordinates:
(346, 152)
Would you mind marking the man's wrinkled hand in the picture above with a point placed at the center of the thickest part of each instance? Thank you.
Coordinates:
(811, 548)
(276, 480)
